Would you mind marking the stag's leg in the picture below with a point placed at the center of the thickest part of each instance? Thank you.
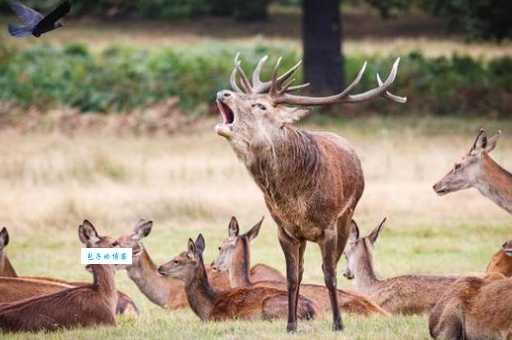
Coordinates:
(293, 256)
(329, 250)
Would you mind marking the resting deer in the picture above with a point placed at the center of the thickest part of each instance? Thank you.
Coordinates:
(235, 258)
(88, 305)
(210, 304)
(478, 170)
(474, 308)
(501, 262)
(15, 288)
(311, 181)
(164, 291)
(406, 294)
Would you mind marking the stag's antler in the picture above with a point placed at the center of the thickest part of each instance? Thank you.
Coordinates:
(279, 87)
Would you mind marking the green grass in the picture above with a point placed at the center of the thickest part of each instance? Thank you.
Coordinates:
(192, 183)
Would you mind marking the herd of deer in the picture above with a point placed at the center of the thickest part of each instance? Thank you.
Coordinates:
(311, 182)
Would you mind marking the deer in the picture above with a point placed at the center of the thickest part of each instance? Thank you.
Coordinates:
(311, 181)
(210, 304)
(88, 305)
(163, 291)
(476, 169)
(474, 308)
(14, 287)
(405, 294)
(501, 261)
(235, 259)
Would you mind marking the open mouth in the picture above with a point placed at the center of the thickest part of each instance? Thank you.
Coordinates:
(227, 114)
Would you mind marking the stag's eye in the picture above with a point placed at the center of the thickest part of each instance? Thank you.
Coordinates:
(260, 106)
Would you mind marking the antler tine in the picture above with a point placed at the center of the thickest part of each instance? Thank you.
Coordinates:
(391, 96)
(243, 78)
(298, 87)
(233, 81)
(256, 75)
(274, 85)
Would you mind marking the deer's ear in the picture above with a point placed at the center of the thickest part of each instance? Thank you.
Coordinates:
(4, 238)
(143, 228)
(87, 233)
(292, 114)
(200, 244)
(480, 142)
(255, 230)
(233, 228)
(191, 247)
(354, 231)
(492, 141)
(376, 232)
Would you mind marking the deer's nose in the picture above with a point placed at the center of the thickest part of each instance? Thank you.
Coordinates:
(224, 94)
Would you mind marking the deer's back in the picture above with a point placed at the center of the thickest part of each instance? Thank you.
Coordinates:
(262, 272)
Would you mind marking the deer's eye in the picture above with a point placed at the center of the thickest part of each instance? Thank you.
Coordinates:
(175, 262)
(458, 166)
(220, 248)
(260, 106)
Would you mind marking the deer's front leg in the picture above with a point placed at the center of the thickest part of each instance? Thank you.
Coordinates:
(328, 248)
(293, 250)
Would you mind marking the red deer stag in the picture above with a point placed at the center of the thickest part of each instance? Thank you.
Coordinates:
(405, 294)
(478, 170)
(14, 287)
(235, 258)
(501, 262)
(241, 303)
(88, 305)
(164, 291)
(311, 181)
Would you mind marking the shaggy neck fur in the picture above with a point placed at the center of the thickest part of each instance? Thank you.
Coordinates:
(495, 183)
(6, 269)
(364, 273)
(200, 295)
(239, 270)
(145, 275)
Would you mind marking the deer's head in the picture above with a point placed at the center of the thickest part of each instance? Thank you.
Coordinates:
(254, 112)
(360, 249)
(4, 239)
(133, 240)
(91, 239)
(234, 245)
(185, 266)
(468, 170)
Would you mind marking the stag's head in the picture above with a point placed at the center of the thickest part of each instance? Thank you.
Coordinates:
(254, 112)
(467, 171)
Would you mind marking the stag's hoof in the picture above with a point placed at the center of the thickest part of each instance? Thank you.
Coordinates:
(292, 327)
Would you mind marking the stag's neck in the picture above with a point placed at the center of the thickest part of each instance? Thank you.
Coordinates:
(6, 269)
(239, 271)
(200, 295)
(365, 277)
(104, 280)
(495, 183)
(291, 154)
(153, 285)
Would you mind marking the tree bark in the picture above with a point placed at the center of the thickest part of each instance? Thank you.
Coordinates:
(321, 34)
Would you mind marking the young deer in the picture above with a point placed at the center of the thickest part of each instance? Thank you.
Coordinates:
(501, 262)
(15, 288)
(474, 308)
(478, 170)
(406, 294)
(311, 181)
(164, 291)
(88, 305)
(235, 258)
(210, 304)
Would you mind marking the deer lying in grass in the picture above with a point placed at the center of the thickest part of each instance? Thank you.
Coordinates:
(88, 305)
(474, 308)
(164, 291)
(406, 294)
(478, 170)
(15, 288)
(501, 262)
(210, 304)
(311, 181)
(234, 257)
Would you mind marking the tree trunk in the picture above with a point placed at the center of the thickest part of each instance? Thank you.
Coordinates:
(321, 34)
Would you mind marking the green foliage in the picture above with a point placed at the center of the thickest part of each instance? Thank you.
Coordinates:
(120, 79)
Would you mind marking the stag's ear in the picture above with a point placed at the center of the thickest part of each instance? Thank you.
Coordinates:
(233, 228)
(491, 142)
(87, 233)
(255, 230)
(292, 114)
(143, 229)
(4, 238)
(376, 232)
(354, 232)
(200, 245)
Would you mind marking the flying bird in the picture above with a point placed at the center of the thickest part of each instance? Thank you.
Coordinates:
(34, 23)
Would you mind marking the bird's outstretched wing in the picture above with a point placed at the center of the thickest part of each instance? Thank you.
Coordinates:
(20, 31)
(57, 13)
(29, 16)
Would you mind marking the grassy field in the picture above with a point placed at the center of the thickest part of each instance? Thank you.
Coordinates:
(192, 183)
